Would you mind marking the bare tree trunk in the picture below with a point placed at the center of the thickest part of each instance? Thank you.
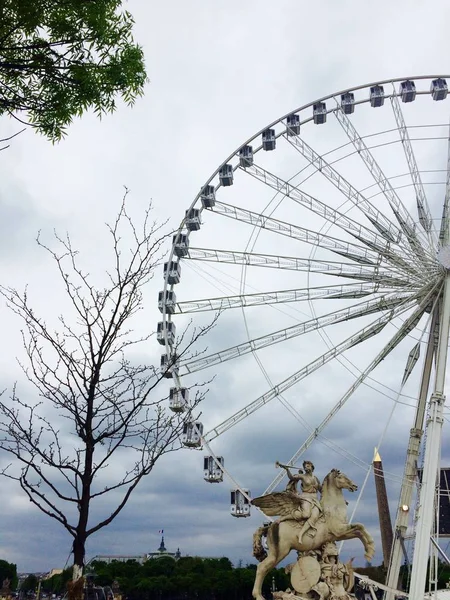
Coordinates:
(77, 571)
(79, 551)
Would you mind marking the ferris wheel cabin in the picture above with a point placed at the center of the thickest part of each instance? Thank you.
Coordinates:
(180, 244)
(178, 399)
(208, 196)
(240, 504)
(376, 96)
(348, 103)
(293, 124)
(169, 366)
(192, 219)
(212, 472)
(226, 175)
(246, 156)
(167, 301)
(439, 89)
(173, 271)
(269, 140)
(407, 91)
(320, 113)
(166, 330)
(192, 434)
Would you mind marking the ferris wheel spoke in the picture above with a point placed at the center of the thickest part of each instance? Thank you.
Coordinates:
(409, 324)
(423, 210)
(346, 249)
(341, 291)
(381, 244)
(402, 215)
(378, 304)
(375, 274)
(362, 335)
(387, 229)
(445, 213)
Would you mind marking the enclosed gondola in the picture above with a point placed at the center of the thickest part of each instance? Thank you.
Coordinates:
(192, 434)
(172, 270)
(240, 504)
(246, 156)
(166, 331)
(213, 473)
(226, 175)
(208, 196)
(178, 399)
(320, 113)
(167, 301)
(192, 220)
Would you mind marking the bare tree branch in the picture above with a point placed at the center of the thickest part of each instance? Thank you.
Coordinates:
(95, 405)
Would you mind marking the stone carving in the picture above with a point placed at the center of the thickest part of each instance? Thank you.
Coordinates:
(287, 595)
(287, 534)
(5, 591)
(321, 578)
(305, 574)
(310, 506)
(6, 584)
(336, 579)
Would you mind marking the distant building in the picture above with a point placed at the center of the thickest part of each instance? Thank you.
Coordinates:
(140, 558)
(22, 576)
(52, 573)
(109, 558)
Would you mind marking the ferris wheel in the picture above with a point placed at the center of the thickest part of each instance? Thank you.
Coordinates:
(325, 223)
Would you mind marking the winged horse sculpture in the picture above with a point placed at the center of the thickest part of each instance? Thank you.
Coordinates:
(284, 535)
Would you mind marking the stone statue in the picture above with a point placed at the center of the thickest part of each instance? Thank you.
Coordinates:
(5, 591)
(115, 587)
(285, 534)
(311, 509)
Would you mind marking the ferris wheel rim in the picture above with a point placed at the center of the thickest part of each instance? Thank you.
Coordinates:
(280, 119)
(167, 316)
(297, 110)
(309, 105)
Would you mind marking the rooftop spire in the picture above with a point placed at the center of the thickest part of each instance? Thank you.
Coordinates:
(162, 547)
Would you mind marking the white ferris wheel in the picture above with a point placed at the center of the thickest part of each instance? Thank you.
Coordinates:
(329, 222)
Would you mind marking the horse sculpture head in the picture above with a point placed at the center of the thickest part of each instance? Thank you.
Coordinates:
(340, 480)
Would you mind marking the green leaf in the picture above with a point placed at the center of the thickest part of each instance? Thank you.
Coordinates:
(60, 58)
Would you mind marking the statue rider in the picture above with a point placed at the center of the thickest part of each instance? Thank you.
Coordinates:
(311, 486)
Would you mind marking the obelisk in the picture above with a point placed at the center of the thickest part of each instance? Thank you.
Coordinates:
(383, 508)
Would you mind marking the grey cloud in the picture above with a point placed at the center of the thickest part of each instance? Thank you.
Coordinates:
(218, 74)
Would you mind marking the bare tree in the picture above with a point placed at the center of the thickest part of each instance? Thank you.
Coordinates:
(95, 404)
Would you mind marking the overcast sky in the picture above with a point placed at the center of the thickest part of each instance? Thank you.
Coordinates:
(219, 72)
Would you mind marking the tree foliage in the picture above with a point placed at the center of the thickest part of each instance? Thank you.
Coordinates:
(8, 571)
(59, 58)
(57, 584)
(379, 574)
(29, 584)
(99, 424)
(188, 578)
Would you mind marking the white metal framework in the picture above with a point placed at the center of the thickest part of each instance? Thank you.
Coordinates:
(328, 239)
